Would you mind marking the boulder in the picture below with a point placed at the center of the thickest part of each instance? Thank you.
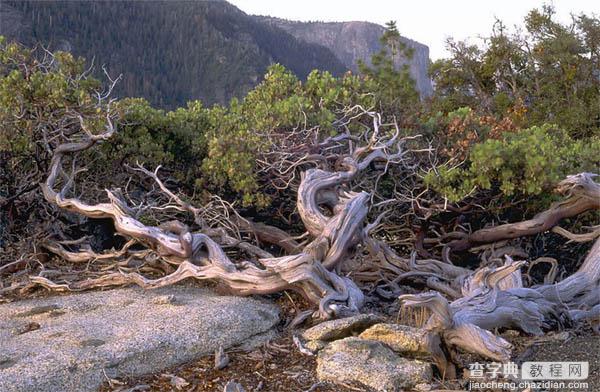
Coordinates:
(370, 363)
(400, 338)
(341, 328)
(316, 345)
(75, 342)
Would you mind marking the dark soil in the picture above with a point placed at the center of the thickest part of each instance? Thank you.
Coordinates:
(280, 367)
(577, 347)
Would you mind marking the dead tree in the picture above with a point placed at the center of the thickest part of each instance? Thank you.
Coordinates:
(331, 212)
(495, 298)
(580, 193)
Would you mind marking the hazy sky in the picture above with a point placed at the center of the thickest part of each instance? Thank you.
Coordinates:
(429, 22)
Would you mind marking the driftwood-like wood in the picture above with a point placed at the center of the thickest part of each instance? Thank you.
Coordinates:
(311, 270)
(466, 305)
(362, 169)
(581, 194)
(495, 298)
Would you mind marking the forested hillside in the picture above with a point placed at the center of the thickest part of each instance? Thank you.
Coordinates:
(168, 51)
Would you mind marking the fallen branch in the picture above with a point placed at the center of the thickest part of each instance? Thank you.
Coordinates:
(581, 193)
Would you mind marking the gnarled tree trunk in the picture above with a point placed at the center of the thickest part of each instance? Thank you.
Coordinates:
(310, 270)
(495, 298)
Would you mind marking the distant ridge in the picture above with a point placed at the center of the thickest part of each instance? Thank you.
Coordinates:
(354, 41)
(170, 52)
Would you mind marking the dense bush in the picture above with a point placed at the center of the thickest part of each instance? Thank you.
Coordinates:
(526, 162)
(547, 71)
(175, 139)
(520, 112)
(36, 97)
(33, 97)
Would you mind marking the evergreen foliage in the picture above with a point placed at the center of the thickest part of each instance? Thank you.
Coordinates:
(391, 85)
(522, 111)
(526, 162)
(549, 73)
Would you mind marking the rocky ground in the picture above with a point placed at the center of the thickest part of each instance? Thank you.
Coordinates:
(165, 340)
(279, 366)
(76, 342)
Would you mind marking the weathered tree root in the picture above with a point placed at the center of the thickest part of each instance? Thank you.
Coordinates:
(581, 194)
(311, 270)
(201, 258)
(495, 298)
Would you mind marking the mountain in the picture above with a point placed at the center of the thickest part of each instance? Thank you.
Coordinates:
(354, 41)
(170, 52)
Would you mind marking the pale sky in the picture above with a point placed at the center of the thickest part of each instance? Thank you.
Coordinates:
(429, 22)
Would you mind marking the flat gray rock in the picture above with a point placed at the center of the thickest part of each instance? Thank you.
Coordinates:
(341, 328)
(74, 342)
(370, 363)
(400, 338)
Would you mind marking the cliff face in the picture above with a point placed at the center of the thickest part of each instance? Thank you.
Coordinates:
(353, 41)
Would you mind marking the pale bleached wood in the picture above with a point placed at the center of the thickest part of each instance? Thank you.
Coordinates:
(581, 194)
(494, 298)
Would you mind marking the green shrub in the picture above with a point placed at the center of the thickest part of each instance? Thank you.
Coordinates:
(527, 162)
